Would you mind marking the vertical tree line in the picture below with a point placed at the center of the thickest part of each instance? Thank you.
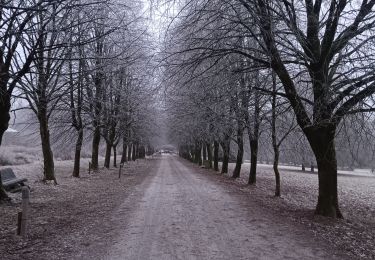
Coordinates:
(307, 62)
(83, 68)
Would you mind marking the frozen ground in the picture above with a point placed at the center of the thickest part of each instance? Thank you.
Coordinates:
(171, 209)
(300, 189)
(68, 218)
(355, 234)
(354, 173)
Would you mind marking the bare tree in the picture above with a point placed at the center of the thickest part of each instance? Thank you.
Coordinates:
(321, 52)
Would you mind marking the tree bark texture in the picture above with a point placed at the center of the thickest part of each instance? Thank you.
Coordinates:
(107, 158)
(130, 146)
(134, 153)
(237, 169)
(226, 151)
(48, 167)
(204, 152)
(216, 155)
(77, 154)
(253, 161)
(322, 142)
(114, 155)
(95, 149)
(209, 154)
(4, 123)
(124, 157)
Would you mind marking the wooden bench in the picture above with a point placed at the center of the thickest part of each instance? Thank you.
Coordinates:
(10, 181)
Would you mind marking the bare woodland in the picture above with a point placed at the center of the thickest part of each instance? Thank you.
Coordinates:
(83, 69)
(224, 82)
(255, 67)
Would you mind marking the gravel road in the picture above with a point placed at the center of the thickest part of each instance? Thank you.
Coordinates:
(180, 213)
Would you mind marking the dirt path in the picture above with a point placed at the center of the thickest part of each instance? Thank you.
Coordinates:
(182, 214)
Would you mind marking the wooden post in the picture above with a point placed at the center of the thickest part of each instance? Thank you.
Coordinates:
(89, 167)
(24, 215)
(19, 221)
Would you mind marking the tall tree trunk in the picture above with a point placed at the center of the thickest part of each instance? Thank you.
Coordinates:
(137, 151)
(142, 152)
(277, 173)
(226, 151)
(77, 154)
(115, 156)
(133, 153)
(198, 153)
(4, 110)
(253, 133)
(253, 161)
(216, 155)
(275, 144)
(49, 167)
(192, 153)
(322, 142)
(4, 123)
(107, 158)
(130, 152)
(124, 158)
(237, 169)
(204, 152)
(95, 148)
(209, 154)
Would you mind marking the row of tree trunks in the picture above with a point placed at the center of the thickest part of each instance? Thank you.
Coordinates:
(199, 153)
(130, 152)
(196, 154)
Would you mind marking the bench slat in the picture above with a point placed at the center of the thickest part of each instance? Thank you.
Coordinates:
(10, 182)
(9, 179)
(7, 174)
